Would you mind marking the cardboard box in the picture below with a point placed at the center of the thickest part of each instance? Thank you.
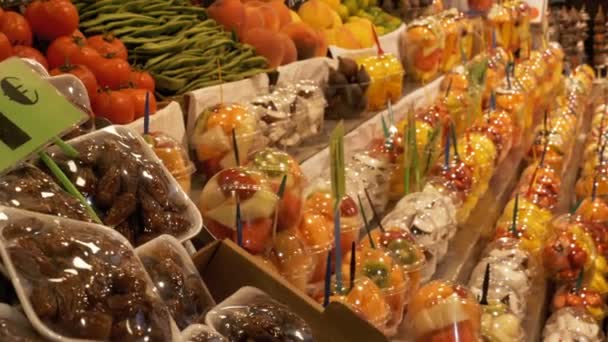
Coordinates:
(225, 268)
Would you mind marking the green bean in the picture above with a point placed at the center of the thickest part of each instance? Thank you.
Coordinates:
(165, 29)
(155, 7)
(158, 59)
(153, 48)
(168, 83)
(119, 20)
(121, 32)
(132, 40)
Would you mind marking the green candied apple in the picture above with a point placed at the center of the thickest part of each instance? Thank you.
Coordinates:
(405, 251)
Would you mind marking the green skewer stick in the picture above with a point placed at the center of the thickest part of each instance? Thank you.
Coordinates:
(366, 223)
(67, 184)
(66, 148)
(515, 211)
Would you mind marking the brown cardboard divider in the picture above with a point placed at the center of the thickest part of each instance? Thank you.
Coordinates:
(225, 268)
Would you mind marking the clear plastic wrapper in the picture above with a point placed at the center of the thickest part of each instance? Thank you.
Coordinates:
(371, 172)
(497, 62)
(386, 80)
(499, 26)
(453, 31)
(176, 278)
(31, 189)
(275, 165)
(579, 296)
(128, 186)
(174, 157)
(250, 315)
(498, 126)
(366, 300)
(444, 311)
(289, 114)
(513, 99)
(212, 139)
(422, 47)
(317, 233)
(584, 185)
(383, 268)
(258, 203)
(572, 324)
(479, 153)
(509, 250)
(541, 185)
(14, 327)
(201, 333)
(458, 100)
(455, 181)
(78, 280)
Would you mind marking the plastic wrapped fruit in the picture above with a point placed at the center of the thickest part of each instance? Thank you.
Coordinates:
(317, 232)
(131, 191)
(422, 48)
(345, 89)
(571, 295)
(541, 185)
(455, 181)
(515, 101)
(212, 137)
(458, 100)
(585, 184)
(380, 265)
(176, 279)
(276, 164)
(292, 258)
(497, 62)
(320, 201)
(499, 26)
(442, 311)
(81, 281)
(480, 5)
(399, 241)
(386, 77)
(28, 188)
(453, 31)
(174, 157)
(572, 324)
(498, 324)
(498, 126)
(509, 284)
(201, 333)
(250, 315)
(366, 300)
(258, 203)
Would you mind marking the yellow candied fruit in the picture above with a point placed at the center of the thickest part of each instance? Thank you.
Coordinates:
(386, 74)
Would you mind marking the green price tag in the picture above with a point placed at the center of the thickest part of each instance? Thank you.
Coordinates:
(32, 112)
(336, 155)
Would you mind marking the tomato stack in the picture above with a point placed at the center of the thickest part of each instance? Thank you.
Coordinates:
(117, 91)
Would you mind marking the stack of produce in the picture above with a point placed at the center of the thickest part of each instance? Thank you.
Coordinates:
(345, 89)
(349, 25)
(174, 41)
(521, 235)
(508, 26)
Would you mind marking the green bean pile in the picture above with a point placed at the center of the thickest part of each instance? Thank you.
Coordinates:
(173, 40)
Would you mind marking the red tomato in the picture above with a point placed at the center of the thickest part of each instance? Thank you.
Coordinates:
(142, 79)
(16, 28)
(115, 106)
(255, 235)
(86, 56)
(62, 49)
(52, 18)
(139, 101)
(1, 14)
(111, 72)
(83, 73)
(77, 33)
(6, 50)
(108, 45)
(31, 53)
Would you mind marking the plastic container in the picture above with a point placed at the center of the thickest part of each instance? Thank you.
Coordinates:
(499, 26)
(495, 74)
(317, 233)
(293, 259)
(459, 100)
(453, 31)
(319, 200)
(367, 301)
(201, 333)
(382, 267)
(176, 278)
(530, 228)
(479, 151)
(422, 47)
(386, 80)
(509, 250)
(408, 254)
(500, 290)
(251, 315)
(515, 101)
(212, 139)
(15, 327)
(541, 185)
(289, 114)
(455, 181)
(275, 165)
(480, 5)
(258, 203)
(174, 157)
(371, 172)
(572, 324)
(444, 311)
(80, 281)
(129, 186)
(28, 188)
